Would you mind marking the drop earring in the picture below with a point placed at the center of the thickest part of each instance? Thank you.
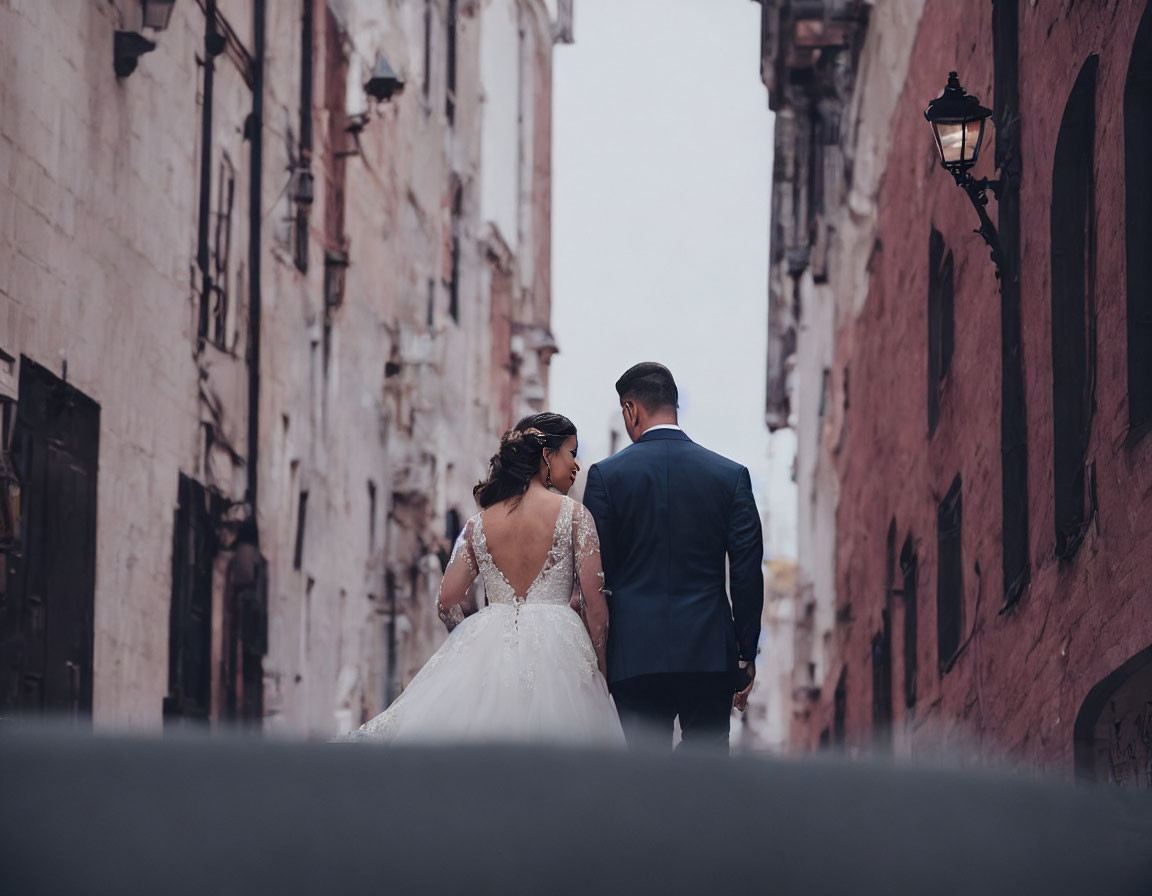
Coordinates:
(548, 474)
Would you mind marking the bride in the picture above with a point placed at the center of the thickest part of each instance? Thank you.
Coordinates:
(529, 666)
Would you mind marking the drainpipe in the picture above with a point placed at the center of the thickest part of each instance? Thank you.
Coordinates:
(307, 29)
(256, 177)
(211, 43)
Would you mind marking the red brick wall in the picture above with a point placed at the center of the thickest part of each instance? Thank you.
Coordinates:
(1019, 682)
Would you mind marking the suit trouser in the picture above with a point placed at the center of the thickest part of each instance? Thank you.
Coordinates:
(648, 705)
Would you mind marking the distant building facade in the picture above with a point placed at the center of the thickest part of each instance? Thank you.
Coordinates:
(268, 300)
(974, 469)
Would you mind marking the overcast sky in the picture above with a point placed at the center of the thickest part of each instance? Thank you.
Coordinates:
(661, 179)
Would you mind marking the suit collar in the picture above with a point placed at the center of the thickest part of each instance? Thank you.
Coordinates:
(654, 435)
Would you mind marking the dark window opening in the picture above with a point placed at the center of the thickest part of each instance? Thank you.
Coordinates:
(454, 274)
(335, 160)
(301, 521)
(908, 570)
(882, 651)
(190, 615)
(431, 303)
(949, 576)
(307, 39)
(47, 574)
(1013, 409)
(840, 708)
(941, 322)
(825, 392)
(1073, 307)
(300, 242)
(371, 516)
(1138, 226)
(244, 635)
(427, 80)
(450, 97)
(221, 253)
(882, 684)
(335, 271)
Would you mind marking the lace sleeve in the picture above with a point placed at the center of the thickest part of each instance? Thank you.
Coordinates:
(589, 587)
(452, 603)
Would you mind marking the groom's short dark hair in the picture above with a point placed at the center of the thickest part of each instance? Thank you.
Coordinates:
(650, 384)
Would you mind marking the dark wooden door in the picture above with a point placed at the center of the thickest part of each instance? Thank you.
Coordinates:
(46, 608)
(190, 617)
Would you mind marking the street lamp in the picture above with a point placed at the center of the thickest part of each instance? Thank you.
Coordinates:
(384, 81)
(129, 46)
(957, 120)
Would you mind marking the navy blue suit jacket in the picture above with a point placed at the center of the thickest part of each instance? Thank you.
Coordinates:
(668, 512)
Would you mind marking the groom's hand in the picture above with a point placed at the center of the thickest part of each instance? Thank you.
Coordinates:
(740, 698)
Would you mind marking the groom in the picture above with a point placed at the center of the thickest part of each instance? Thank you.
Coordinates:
(668, 513)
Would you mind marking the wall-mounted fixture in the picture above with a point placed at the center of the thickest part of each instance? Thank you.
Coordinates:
(303, 186)
(156, 13)
(129, 46)
(384, 82)
(335, 267)
(957, 120)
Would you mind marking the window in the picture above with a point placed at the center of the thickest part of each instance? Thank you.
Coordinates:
(840, 708)
(1073, 312)
(190, 614)
(221, 252)
(882, 652)
(335, 269)
(454, 271)
(427, 81)
(1138, 223)
(307, 37)
(335, 159)
(301, 521)
(1013, 408)
(450, 97)
(825, 393)
(908, 570)
(949, 576)
(882, 684)
(371, 516)
(941, 322)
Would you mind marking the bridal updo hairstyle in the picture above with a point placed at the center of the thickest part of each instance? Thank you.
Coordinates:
(518, 460)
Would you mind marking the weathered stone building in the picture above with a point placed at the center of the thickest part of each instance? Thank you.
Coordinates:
(974, 467)
(270, 291)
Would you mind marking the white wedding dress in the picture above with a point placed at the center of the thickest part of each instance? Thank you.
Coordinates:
(522, 668)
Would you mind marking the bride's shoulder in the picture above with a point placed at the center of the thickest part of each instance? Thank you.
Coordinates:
(579, 511)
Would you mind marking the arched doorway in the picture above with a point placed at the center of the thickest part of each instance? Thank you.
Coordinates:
(1113, 732)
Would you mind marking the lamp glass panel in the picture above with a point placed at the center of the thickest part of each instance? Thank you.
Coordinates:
(157, 13)
(950, 138)
(973, 134)
(959, 141)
